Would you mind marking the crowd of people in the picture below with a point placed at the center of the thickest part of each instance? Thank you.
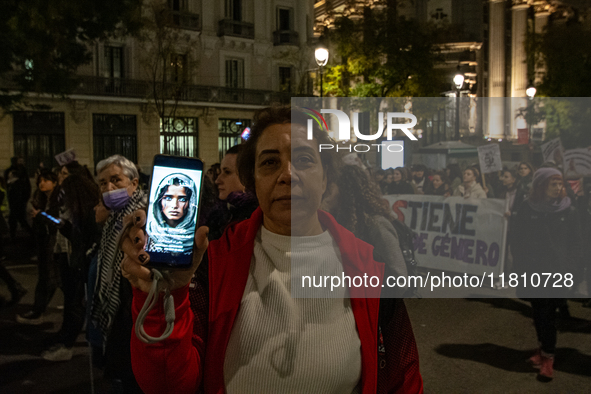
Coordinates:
(264, 198)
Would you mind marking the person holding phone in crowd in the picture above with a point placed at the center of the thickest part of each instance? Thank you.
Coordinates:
(238, 329)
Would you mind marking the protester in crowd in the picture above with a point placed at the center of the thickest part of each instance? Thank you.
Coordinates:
(80, 196)
(111, 303)
(441, 185)
(17, 291)
(378, 176)
(470, 188)
(510, 189)
(388, 179)
(213, 172)
(234, 203)
(74, 168)
(420, 179)
(45, 231)
(359, 209)
(18, 189)
(327, 344)
(546, 237)
(399, 184)
(454, 173)
(524, 183)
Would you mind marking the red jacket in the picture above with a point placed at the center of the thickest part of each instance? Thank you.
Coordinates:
(195, 352)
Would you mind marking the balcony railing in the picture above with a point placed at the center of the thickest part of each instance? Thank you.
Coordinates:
(118, 87)
(229, 27)
(286, 37)
(183, 19)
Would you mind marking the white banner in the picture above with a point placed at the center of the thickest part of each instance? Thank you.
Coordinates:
(577, 162)
(490, 158)
(66, 157)
(455, 234)
(552, 151)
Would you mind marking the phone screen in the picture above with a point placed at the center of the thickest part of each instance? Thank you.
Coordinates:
(173, 209)
(56, 221)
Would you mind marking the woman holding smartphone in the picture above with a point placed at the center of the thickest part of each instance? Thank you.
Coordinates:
(246, 332)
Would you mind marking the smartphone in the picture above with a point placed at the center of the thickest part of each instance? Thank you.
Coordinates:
(54, 220)
(173, 210)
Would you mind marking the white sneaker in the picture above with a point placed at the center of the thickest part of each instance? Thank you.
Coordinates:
(58, 353)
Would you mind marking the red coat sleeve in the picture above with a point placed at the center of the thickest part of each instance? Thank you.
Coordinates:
(175, 364)
(401, 372)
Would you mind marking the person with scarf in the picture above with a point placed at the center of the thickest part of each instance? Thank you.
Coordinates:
(470, 188)
(525, 173)
(441, 185)
(546, 238)
(173, 214)
(111, 304)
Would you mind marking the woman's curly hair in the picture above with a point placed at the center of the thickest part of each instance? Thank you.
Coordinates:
(359, 201)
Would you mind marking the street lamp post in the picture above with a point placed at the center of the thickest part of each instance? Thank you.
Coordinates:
(458, 82)
(321, 55)
(530, 92)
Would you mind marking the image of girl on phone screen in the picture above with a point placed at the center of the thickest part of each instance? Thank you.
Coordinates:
(172, 223)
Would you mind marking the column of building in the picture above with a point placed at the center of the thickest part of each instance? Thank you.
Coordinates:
(496, 69)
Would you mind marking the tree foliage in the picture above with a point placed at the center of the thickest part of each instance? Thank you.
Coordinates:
(563, 51)
(383, 55)
(43, 42)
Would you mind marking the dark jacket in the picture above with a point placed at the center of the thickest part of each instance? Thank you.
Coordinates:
(545, 243)
(401, 187)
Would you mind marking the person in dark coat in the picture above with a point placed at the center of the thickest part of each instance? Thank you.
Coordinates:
(546, 238)
(19, 191)
(399, 183)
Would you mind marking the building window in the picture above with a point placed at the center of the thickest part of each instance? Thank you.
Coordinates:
(178, 68)
(285, 79)
(179, 136)
(230, 133)
(177, 5)
(284, 18)
(114, 134)
(38, 137)
(113, 69)
(113, 62)
(234, 10)
(235, 73)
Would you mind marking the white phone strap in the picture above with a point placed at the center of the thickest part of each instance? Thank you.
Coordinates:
(148, 305)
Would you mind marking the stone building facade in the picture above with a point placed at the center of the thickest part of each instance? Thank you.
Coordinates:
(232, 57)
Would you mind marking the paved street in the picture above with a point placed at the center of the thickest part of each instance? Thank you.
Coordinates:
(465, 346)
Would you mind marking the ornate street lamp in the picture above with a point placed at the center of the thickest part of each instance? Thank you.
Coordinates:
(321, 55)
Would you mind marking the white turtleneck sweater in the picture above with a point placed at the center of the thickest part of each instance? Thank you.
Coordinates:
(281, 344)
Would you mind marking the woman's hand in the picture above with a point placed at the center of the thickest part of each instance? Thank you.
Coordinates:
(133, 265)
(35, 212)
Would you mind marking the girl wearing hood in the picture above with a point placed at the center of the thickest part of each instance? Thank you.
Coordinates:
(545, 238)
(173, 214)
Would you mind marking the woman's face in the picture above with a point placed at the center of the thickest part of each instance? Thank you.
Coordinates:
(64, 173)
(396, 176)
(174, 204)
(46, 185)
(437, 181)
(379, 178)
(113, 178)
(228, 180)
(554, 188)
(289, 180)
(389, 178)
(523, 170)
(469, 176)
(508, 179)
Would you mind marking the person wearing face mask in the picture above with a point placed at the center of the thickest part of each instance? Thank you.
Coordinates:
(546, 237)
(234, 203)
(110, 309)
